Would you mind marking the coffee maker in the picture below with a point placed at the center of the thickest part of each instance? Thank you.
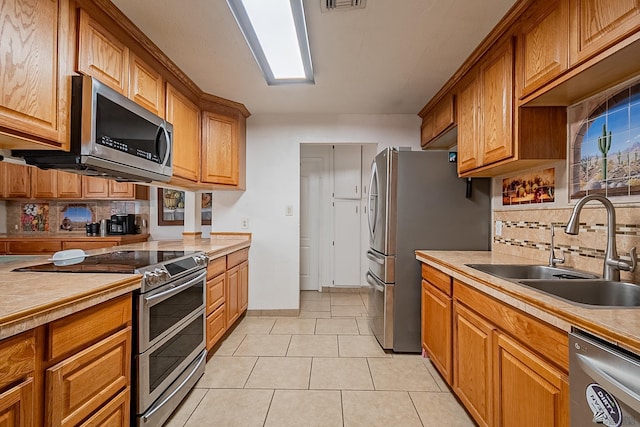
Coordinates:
(122, 224)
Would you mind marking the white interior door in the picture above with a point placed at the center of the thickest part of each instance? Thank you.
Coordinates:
(347, 250)
(310, 176)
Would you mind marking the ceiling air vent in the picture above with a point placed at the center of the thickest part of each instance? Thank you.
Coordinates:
(329, 5)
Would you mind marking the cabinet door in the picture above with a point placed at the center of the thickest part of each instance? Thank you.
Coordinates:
(216, 326)
(31, 99)
(472, 379)
(16, 181)
(544, 44)
(44, 183)
(232, 294)
(84, 382)
(528, 391)
(95, 188)
(468, 96)
(496, 104)
(69, 185)
(101, 55)
(244, 287)
(215, 292)
(598, 24)
(184, 115)
(219, 149)
(436, 328)
(347, 164)
(114, 414)
(426, 129)
(16, 405)
(146, 86)
(122, 190)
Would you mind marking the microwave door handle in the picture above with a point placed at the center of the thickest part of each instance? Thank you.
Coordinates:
(162, 130)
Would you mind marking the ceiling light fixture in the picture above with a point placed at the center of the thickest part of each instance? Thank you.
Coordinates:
(276, 32)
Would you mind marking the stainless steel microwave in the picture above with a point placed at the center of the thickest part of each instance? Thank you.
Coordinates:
(111, 137)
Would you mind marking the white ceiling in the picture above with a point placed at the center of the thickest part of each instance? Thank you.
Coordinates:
(389, 58)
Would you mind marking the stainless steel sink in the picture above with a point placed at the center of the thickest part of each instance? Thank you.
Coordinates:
(596, 292)
(520, 271)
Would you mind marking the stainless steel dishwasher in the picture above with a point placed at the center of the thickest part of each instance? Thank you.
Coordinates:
(604, 382)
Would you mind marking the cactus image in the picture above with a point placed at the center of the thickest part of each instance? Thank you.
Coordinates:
(619, 157)
(604, 145)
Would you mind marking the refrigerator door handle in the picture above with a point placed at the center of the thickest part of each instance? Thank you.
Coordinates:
(372, 201)
(371, 256)
(374, 282)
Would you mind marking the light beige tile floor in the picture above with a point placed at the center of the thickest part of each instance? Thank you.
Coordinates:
(323, 368)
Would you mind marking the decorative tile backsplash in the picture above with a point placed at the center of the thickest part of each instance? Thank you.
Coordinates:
(604, 132)
(528, 234)
(50, 217)
(530, 187)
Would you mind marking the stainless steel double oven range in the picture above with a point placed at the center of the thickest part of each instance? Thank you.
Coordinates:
(169, 324)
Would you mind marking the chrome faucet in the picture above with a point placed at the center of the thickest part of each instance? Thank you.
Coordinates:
(612, 263)
(552, 255)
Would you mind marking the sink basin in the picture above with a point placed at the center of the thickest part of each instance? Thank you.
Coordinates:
(596, 292)
(521, 271)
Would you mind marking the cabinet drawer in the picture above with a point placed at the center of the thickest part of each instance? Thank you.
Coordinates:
(237, 257)
(17, 357)
(216, 267)
(216, 326)
(34, 247)
(81, 329)
(437, 278)
(114, 414)
(82, 383)
(215, 292)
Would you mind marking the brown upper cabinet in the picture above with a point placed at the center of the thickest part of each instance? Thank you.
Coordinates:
(146, 86)
(16, 181)
(101, 55)
(222, 143)
(437, 120)
(184, 115)
(35, 60)
(99, 188)
(52, 184)
(543, 44)
(597, 24)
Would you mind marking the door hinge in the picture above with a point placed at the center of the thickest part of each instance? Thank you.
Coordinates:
(356, 209)
(333, 243)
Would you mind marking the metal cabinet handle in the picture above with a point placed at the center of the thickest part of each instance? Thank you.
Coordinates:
(372, 257)
(176, 289)
(374, 282)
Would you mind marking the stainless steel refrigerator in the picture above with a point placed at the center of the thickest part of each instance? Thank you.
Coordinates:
(416, 201)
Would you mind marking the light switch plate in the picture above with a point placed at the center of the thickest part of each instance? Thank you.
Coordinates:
(289, 210)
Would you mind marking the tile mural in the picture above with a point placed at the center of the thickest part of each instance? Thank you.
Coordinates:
(528, 188)
(34, 217)
(604, 131)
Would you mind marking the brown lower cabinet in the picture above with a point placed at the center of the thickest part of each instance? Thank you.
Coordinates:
(507, 367)
(72, 371)
(227, 293)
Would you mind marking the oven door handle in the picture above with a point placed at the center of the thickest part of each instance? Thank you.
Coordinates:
(155, 408)
(176, 289)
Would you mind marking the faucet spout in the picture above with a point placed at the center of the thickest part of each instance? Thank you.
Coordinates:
(612, 263)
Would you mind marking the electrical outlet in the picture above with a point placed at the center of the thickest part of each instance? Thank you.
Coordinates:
(498, 228)
(244, 223)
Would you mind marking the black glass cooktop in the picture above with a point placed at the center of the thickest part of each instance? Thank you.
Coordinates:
(113, 262)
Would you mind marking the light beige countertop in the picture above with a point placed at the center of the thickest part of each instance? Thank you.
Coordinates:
(620, 325)
(31, 299)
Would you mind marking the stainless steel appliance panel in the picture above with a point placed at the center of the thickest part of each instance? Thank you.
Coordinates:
(604, 383)
(381, 308)
(162, 310)
(162, 364)
(424, 207)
